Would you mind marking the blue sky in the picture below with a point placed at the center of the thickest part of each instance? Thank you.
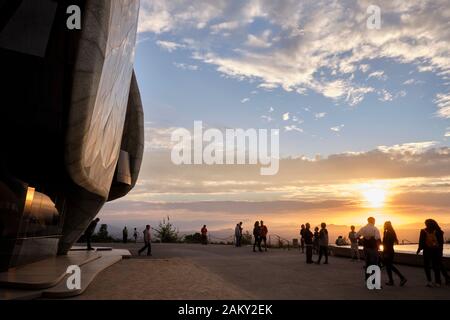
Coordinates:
(373, 103)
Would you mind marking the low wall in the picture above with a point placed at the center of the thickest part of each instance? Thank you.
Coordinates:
(400, 258)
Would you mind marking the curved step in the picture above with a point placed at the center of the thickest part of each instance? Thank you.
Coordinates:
(88, 273)
(46, 273)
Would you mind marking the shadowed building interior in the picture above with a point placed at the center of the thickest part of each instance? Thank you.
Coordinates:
(71, 121)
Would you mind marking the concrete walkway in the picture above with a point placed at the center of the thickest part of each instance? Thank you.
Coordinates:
(192, 271)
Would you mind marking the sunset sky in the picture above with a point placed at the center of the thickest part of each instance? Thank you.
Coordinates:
(364, 115)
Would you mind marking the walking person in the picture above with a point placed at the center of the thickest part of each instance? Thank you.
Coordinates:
(238, 234)
(125, 235)
(204, 233)
(316, 240)
(257, 236)
(354, 243)
(302, 239)
(135, 235)
(147, 241)
(323, 243)
(308, 236)
(389, 239)
(264, 232)
(90, 231)
(371, 243)
(431, 241)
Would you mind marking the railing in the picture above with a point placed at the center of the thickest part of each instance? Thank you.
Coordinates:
(280, 241)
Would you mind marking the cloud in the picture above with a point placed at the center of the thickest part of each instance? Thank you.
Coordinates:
(378, 75)
(408, 148)
(259, 42)
(337, 128)
(307, 38)
(285, 116)
(385, 95)
(293, 128)
(267, 118)
(245, 100)
(169, 46)
(443, 102)
(184, 66)
(320, 115)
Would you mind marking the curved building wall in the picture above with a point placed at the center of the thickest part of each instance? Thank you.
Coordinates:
(101, 85)
(132, 141)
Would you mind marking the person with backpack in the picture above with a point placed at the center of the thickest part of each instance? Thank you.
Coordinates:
(431, 241)
(257, 235)
(389, 239)
(371, 243)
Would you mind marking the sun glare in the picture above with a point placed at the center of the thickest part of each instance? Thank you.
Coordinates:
(375, 196)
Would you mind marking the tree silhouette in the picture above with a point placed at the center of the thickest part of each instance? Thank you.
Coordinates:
(166, 232)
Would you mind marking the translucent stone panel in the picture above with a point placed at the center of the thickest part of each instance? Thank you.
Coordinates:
(97, 120)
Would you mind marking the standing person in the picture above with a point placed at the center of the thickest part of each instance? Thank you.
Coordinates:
(238, 234)
(90, 231)
(204, 233)
(431, 241)
(354, 243)
(135, 235)
(316, 240)
(308, 236)
(389, 239)
(371, 242)
(125, 234)
(323, 243)
(264, 232)
(147, 241)
(302, 239)
(257, 236)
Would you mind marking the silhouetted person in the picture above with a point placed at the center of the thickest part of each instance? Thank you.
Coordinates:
(354, 243)
(302, 239)
(264, 232)
(431, 241)
(340, 241)
(238, 234)
(323, 243)
(316, 240)
(147, 241)
(204, 233)
(90, 231)
(371, 242)
(308, 236)
(125, 234)
(257, 236)
(135, 235)
(389, 239)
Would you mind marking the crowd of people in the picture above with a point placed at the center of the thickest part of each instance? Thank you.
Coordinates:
(431, 242)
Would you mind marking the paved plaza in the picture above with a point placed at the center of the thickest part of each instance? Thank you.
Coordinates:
(193, 271)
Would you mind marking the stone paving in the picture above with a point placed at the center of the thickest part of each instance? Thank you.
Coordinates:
(193, 271)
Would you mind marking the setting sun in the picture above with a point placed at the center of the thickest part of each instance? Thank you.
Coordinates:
(375, 197)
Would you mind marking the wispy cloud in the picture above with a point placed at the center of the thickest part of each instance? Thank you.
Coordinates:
(169, 45)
